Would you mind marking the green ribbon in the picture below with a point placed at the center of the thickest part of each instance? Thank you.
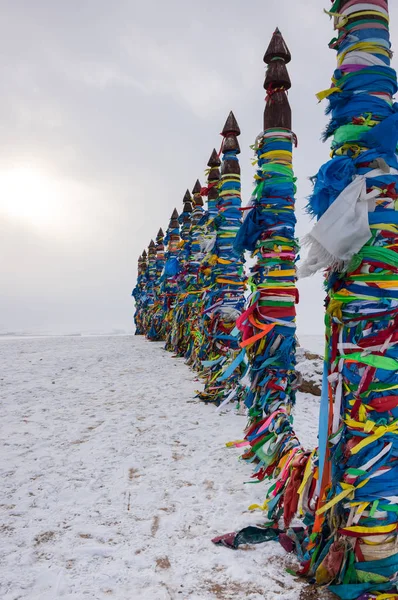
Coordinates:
(379, 362)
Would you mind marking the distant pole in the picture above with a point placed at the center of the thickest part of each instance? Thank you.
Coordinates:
(225, 300)
(185, 216)
(160, 255)
(189, 307)
(177, 340)
(151, 282)
(138, 294)
(185, 226)
(205, 237)
(213, 179)
(155, 328)
(172, 269)
(197, 200)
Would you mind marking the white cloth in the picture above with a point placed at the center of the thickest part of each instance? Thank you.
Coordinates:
(362, 7)
(249, 208)
(362, 58)
(343, 229)
(228, 399)
(207, 242)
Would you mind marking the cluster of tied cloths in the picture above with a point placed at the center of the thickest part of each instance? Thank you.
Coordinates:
(204, 241)
(224, 300)
(149, 305)
(169, 283)
(179, 334)
(353, 542)
(187, 310)
(201, 354)
(139, 294)
(154, 329)
(268, 327)
(196, 287)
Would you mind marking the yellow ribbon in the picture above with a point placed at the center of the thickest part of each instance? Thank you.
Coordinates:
(386, 226)
(363, 47)
(354, 148)
(326, 93)
(258, 506)
(348, 490)
(281, 273)
(368, 530)
(367, 427)
(233, 444)
(222, 280)
(275, 154)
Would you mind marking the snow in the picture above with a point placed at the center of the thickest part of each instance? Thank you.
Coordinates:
(313, 343)
(115, 478)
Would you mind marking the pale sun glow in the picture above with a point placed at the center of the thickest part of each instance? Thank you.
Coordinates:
(28, 194)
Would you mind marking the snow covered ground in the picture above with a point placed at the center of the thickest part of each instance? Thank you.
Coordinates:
(115, 479)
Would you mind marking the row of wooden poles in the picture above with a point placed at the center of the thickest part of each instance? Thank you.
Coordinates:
(238, 329)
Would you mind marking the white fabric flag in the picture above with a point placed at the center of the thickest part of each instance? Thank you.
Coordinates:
(343, 229)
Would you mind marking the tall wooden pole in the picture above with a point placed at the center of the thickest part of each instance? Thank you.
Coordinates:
(356, 241)
(225, 301)
(268, 325)
(171, 271)
(190, 300)
(206, 237)
(151, 283)
(155, 327)
(178, 338)
(139, 293)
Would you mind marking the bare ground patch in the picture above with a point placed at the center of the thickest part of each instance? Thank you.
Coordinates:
(133, 474)
(231, 590)
(313, 592)
(163, 563)
(155, 525)
(43, 538)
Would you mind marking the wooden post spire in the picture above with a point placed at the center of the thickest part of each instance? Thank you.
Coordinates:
(277, 111)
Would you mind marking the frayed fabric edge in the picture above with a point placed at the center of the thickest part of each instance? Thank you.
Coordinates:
(318, 258)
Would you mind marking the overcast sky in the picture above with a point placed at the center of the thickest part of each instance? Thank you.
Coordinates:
(109, 111)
